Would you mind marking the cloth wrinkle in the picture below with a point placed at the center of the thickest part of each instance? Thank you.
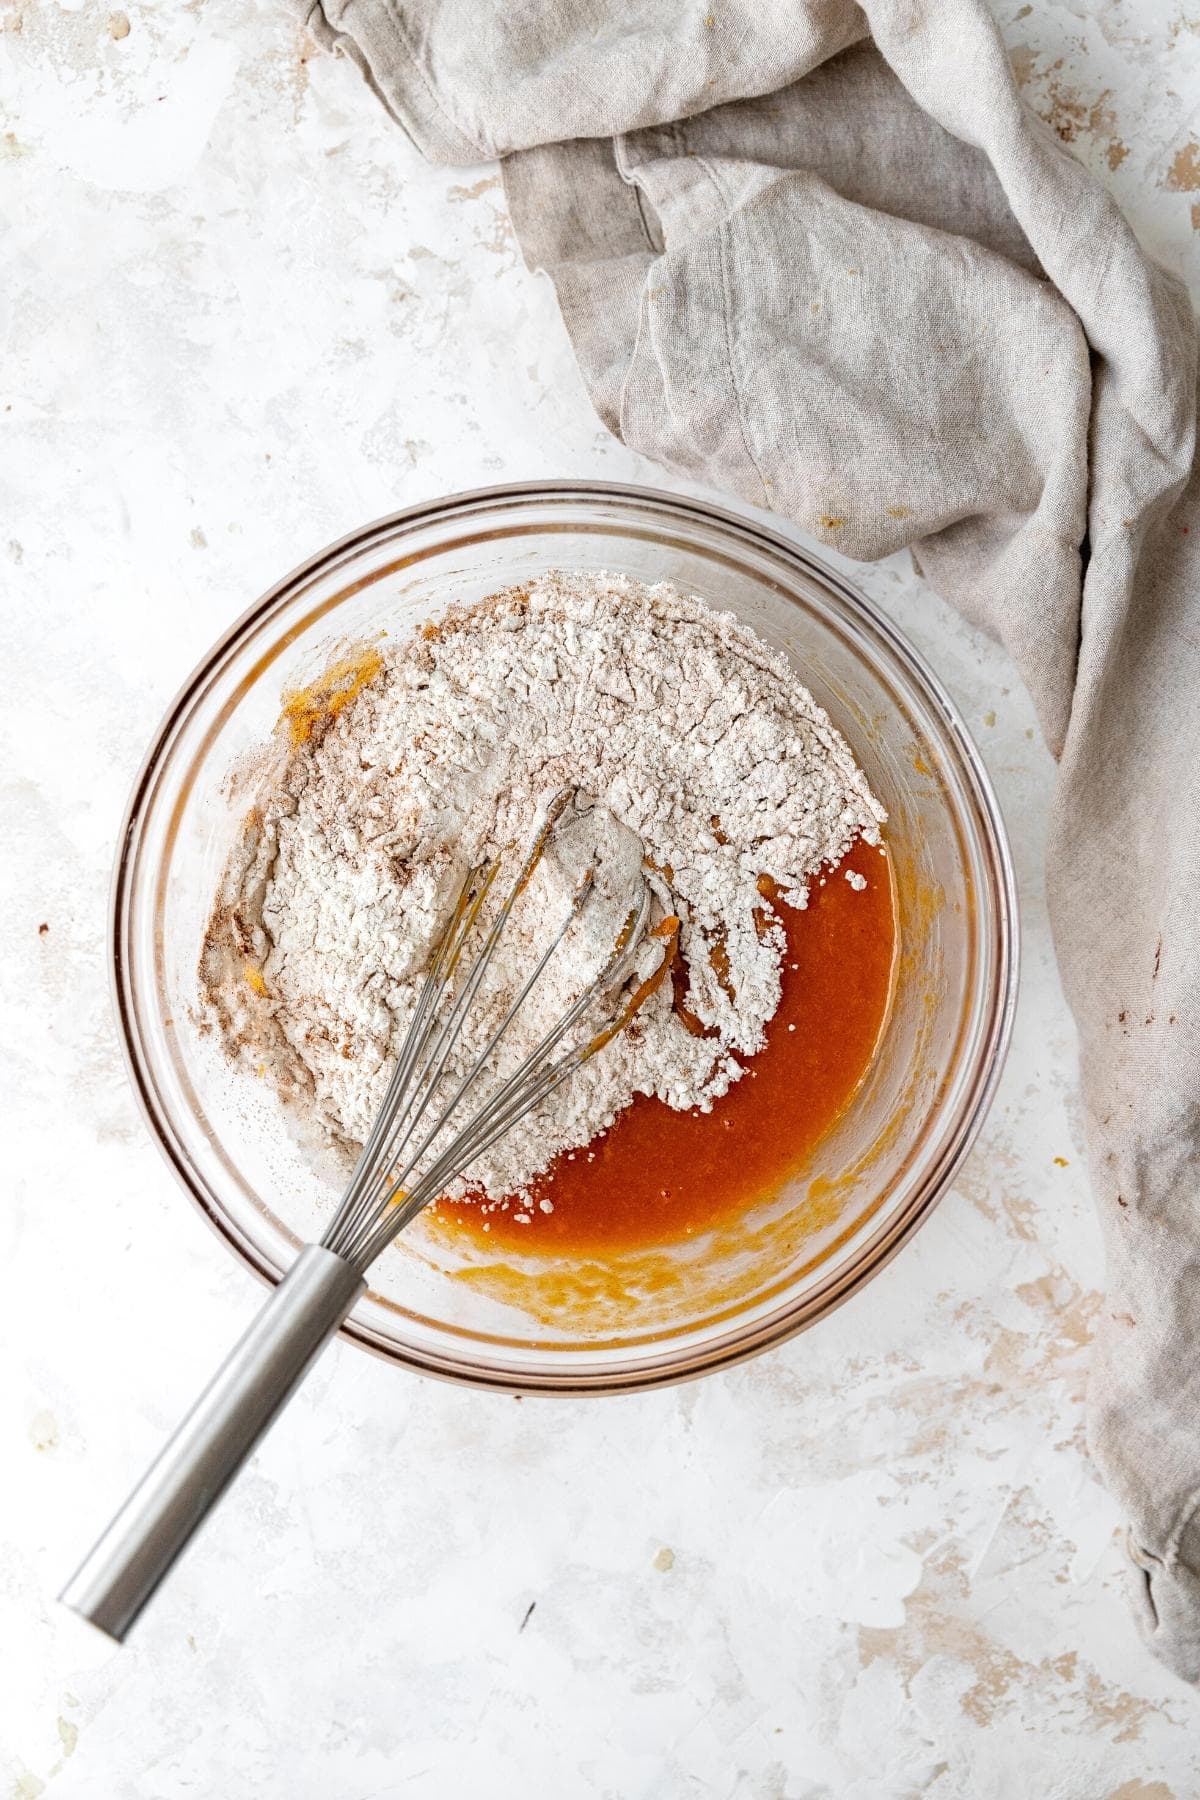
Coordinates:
(396, 13)
(1188, 1515)
(702, 162)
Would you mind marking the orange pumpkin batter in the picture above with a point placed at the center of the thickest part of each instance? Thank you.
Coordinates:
(658, 1176)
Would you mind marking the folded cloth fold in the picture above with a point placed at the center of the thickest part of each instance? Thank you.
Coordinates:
(824, 257)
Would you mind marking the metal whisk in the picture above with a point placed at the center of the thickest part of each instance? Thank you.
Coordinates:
(432, 1125)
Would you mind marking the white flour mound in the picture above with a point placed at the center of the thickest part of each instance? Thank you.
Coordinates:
(692, 744)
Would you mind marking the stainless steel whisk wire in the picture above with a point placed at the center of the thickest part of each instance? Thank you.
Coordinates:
(151, 1530)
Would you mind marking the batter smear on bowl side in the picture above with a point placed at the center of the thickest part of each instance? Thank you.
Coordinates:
(695, 751)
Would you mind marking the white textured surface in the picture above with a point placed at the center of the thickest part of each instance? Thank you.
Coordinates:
(240, 317)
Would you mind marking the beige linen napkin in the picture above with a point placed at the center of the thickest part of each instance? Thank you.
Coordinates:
(826, 258)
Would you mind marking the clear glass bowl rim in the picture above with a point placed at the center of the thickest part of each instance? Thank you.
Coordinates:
(1001, 917)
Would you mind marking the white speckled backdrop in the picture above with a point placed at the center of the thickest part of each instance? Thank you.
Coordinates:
(240, 316)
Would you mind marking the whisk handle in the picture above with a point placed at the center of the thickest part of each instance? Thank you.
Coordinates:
(181, 1487)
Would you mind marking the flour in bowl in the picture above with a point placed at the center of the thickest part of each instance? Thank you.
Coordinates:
(690, 744)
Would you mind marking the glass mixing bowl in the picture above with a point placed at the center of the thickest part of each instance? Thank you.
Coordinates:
(667, 1312)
